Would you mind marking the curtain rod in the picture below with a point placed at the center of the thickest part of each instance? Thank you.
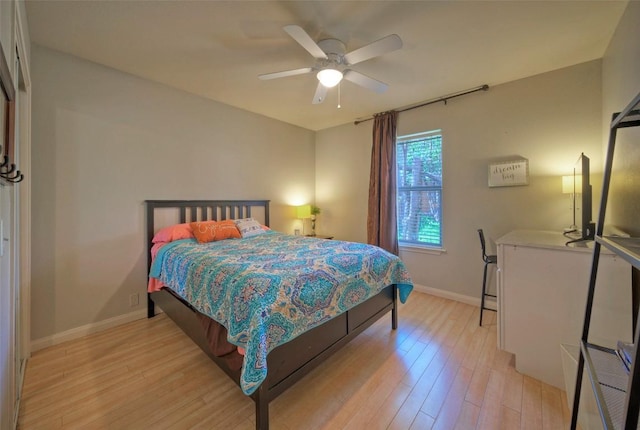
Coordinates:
(444, 99)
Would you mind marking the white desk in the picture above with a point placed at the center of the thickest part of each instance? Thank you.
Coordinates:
(542, 293)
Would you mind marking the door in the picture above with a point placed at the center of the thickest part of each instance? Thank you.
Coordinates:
(7, 321)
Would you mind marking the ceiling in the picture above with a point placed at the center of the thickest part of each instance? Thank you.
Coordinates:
(217, 49)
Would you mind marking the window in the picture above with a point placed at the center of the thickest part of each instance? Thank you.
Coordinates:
(419, 170)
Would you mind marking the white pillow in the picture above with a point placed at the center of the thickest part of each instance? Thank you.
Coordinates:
(249, 227)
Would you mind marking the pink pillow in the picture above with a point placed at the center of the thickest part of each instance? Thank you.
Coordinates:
(173, 232)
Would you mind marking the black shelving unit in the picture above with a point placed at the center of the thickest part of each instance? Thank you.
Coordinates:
(616, 390)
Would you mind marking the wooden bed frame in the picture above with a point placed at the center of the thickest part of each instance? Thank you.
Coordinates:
(287, 363)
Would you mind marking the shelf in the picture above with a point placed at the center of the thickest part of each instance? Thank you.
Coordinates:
(632, 119)
(627, 247)
(609, 380)
(608, 375)
(629, 116)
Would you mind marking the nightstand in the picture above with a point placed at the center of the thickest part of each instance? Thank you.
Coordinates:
(320, 236)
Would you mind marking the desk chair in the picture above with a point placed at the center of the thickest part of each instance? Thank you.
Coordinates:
(488, 259)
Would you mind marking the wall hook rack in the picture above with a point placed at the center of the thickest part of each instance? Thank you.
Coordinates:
(9, 172)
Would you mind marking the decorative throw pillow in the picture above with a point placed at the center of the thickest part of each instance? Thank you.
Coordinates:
(173, 232)
(249, 227)
(210, 231)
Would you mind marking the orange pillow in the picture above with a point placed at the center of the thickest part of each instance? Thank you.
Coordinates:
(210, 231)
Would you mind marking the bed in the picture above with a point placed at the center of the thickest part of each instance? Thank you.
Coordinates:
(241, 350)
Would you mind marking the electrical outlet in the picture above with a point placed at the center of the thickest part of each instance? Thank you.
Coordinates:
(134, 300)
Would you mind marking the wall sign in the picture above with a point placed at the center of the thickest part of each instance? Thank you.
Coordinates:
(509, 173)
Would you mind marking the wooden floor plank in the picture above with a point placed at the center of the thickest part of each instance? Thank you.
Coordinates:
(422, 422)
(468, 417)
(512, 394)
(552, 416)
(452, 405)
(478, 386)
(439, 370)
(531, 415)
(509, 419)
(491, 409)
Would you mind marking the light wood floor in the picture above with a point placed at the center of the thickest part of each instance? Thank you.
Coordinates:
(439, 370)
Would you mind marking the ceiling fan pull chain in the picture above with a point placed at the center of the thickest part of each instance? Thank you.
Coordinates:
(339, 86)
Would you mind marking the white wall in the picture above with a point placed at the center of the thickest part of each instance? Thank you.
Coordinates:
(620, 84)
(343, 162)
(103, 142)
(548, 119)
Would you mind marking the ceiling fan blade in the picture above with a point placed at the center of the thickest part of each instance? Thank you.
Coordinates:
(321, 93)
(305, 41)
(285, 73)
(374, 49)
(365, 81)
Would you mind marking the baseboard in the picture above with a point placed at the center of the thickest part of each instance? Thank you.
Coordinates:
(85, 330)
(473, 301)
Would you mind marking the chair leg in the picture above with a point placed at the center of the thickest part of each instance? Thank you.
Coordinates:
(484, 291)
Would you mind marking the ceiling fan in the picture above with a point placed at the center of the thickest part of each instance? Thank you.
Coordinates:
(333, 62)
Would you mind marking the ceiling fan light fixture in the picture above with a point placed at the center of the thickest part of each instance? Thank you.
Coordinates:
(329, 77)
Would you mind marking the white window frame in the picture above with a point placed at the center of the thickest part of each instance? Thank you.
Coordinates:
(423, 247)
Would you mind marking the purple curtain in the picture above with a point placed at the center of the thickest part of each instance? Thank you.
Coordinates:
(382, 229)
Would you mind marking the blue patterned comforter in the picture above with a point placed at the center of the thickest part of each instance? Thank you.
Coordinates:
(270, 288)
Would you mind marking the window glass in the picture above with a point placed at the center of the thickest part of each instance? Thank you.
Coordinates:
(419, 197)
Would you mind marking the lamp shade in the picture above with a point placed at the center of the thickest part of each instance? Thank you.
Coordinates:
(304, 211)
(329, 77)
(572, 184)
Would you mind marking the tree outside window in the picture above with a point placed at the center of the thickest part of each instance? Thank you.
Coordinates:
(419, 197)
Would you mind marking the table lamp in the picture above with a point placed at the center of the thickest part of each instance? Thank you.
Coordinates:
(303, 212)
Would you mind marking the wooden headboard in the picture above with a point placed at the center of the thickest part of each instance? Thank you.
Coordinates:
(181, 211)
